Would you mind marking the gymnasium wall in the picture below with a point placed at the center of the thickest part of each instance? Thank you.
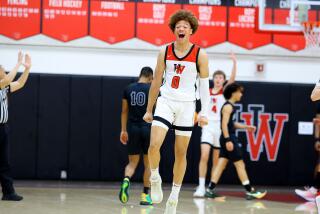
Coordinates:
(72, 123)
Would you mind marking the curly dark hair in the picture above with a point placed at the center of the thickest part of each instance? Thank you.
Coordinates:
(185, 15)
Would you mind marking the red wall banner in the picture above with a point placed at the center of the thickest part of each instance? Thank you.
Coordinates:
(242, 30)
(112, 21)
(152, 22)
(293, 42)
(212, 24)
(19, 19)
(65, 20)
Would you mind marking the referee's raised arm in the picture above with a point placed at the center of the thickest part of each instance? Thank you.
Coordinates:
(6, 79)
(16, 85)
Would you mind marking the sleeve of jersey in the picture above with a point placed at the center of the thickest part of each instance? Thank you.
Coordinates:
(204, 96)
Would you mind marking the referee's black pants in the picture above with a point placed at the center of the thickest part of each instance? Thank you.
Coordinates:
(5, 178)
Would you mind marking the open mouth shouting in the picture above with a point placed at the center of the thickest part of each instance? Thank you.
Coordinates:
(181, 35)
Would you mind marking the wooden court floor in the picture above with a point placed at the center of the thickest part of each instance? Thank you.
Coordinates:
(102, 198)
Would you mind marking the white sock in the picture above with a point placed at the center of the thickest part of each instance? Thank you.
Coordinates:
(175, 191)
(246, 182)
(202, 182)
(155, 174)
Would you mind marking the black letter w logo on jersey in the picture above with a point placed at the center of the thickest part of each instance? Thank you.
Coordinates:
(178, 68)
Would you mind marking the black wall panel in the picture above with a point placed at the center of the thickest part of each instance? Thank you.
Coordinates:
(54, 103)
(63, 122)
(23, 114)
(303, 157)
(85, 123)
(275, 99)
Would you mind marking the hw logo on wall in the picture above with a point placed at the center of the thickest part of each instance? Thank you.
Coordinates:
(264, 137)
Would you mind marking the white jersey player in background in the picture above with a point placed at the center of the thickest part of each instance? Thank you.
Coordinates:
(182, 63)
(211, 132)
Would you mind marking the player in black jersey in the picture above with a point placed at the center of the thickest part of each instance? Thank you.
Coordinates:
(135, 133)
(230, 145)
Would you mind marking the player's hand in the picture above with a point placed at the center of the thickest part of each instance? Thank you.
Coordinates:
(202, 120)
(148, 117)
(316, 121)
(27, 61)
(233, 57)
(251, 128)
(20, 58)
(229, 146)
(124, 137)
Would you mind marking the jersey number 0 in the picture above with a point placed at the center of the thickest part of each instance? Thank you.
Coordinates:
(175, 82)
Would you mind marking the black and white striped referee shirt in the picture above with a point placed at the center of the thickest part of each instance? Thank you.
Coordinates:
(4, 104)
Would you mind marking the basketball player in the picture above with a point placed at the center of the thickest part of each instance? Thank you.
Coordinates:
(315, 96)
(137, 138)
(182, 62)
(211, 133)
(8, 86)
(310, 193)
(230, 145)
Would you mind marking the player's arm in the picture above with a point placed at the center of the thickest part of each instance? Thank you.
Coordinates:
(315, 95)
(317, 137)
(244, 126)
(155, 86)
(16, 85)
(124, 119)
(226, 112)
(12, 74)
(203, 64)
(234, 69)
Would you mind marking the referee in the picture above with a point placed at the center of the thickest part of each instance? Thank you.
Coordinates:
(7, 86)
(137, 138)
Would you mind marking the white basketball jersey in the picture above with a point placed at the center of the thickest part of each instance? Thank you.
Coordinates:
(181, 75)
(216, 102)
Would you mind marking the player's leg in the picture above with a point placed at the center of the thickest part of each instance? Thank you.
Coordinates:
(134, 151)
(183, 125)
(217, 172)
(216, 148)
(317, 179)
(158, 135)
(179, 169)
(203, 163)
(162, 121)
(129, 172)
(8, 191)
(251, 193)
(237, 158)
(310, 192)
(145, 197)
